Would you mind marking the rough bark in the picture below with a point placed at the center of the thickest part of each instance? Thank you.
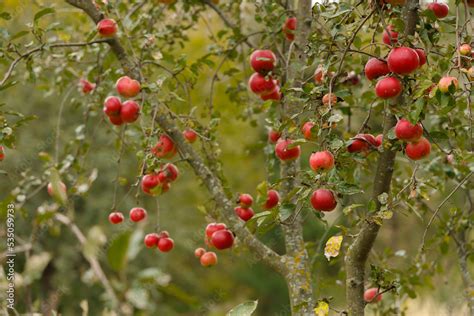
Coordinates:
(298, 278)
(358, 252)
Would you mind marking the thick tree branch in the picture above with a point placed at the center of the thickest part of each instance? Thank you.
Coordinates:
(212, 182)
(359, 250)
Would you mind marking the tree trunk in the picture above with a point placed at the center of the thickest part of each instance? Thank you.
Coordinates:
(359, 250)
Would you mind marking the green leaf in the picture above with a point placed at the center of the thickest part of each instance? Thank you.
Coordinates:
(117, 252)
(244, 309)
(5, 15)
(42, 13)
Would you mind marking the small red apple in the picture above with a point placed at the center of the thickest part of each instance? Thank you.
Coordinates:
(263, 61)
(329, 99)
(403, 60)
(260, 84)
(421, 56)
(86, 86)
(151, 240)
(213, 227)
(378, 140)
(190, 135)
(375, 68)
(361, 143)
(439, 9)
(107, 27)
(465, 49)
(308, 131)
(289, 28)
(222, 239)
(127, 87)
(372, 295)
(130, 111)
(284, 153)
(168, 173)
(446, 82)
(165, 244)
(199, 252)
(273, 136)
(112, 106)
(208, 259)
(137, 214)
(149, 182)
(389, 36)
(244, 214)
(273, 198)
(165, 148)
(319, 74)
(323, 200)
(321, 160)
(419, 149)
(245, 200)
(388, 87)
(404, 130)
(116, 217)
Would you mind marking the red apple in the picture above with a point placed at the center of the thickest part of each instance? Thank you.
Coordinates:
(165, 148)
(261, 84)
(213, 227)
(274, 95)
(403, 60)
(116, 120)
(107, 27)
(112, 106)
(308, 131)
(151, 240)
(404, 130)
(446, 82)
(149, 182)
(289, 27)
(421, 56)
(137, 214)
(273, 198)
(127, 87)
(465, 49)
(439, 9)
(116, 217)
(378, 140)
(2, 153)
(323, 200)
(130, 111)
(208, 259)
(168, 173)
(190, 135)
(388, 87)
(372, 295)
(389, 34)
(329, 99)
(222, 239)
(375, 68)
(165, 244)
(273, 136)
(245, 200)
(284, 153)
(245, 214)
(86, 86)
(263, 61)
(319, 74)
(199, 252)
(419, 149)
(321, 160)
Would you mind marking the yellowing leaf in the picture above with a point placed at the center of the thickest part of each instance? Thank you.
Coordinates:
(322, 309)
(332, 247)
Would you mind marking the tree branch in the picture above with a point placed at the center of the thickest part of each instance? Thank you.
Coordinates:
(359, 250)
(212, 182)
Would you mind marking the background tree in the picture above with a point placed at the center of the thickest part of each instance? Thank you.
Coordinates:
(72, 258)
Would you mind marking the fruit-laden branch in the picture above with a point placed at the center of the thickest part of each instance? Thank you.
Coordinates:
(212, 182)
(299, 279)
(358, 252)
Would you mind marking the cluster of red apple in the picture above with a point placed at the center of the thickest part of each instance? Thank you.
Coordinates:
(162, 241)
(155, 183)
(217, 236)
(128, 111)
(262, 82)
(136, 215)
(417, 147)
